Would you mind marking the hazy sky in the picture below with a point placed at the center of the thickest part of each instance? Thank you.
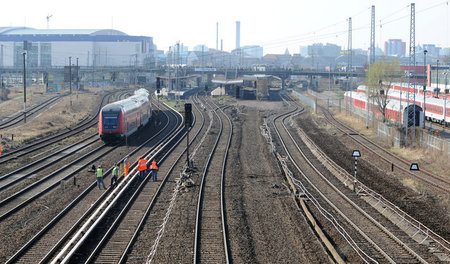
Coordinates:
(276, 25)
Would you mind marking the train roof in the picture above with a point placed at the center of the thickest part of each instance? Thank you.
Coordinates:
(394, 103)
(142, 91)
(126, 104)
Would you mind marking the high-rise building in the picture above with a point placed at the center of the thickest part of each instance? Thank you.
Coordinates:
(432, 50)
(327, 50)
(395, 47)
(238, 34)
(252, 51)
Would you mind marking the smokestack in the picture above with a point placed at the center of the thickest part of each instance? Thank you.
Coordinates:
(221, 45)
(238, 34)
(217, 35)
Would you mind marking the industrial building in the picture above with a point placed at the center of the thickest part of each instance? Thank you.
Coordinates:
(53, 47)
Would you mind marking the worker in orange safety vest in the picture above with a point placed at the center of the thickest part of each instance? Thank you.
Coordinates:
(126, 166)
(154, 170)
(142, 167)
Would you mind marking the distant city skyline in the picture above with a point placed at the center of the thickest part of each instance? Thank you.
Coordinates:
(286, 24)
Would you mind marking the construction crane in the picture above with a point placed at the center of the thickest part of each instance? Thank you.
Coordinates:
(48, 21)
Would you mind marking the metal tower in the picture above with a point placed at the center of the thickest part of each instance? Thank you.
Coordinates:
(349, 44)
(411, 119)
(372, 37)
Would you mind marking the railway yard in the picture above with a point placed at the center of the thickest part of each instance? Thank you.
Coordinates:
(266, 182)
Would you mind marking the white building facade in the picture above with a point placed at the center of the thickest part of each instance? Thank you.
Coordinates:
(52, 48)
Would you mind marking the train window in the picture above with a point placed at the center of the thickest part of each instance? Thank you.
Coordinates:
(111, 118)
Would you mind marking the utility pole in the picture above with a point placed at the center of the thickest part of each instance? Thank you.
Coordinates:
(135, 68)
(372, 37)
(24, 89)
(202, 62)
(176, 72)
(349, 44)
(424, 86)
(78, 76)
(70, 79)
(437, 78)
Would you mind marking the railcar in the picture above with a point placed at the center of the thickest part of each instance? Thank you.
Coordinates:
(123, 118)
(434, 108)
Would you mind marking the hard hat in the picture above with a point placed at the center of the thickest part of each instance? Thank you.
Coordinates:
(99, 166)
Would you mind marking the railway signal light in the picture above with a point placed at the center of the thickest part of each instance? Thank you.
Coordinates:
(187, 114)
(158, 84)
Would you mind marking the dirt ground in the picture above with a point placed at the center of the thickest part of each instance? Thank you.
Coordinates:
(419, 205)
(264, 224)
(59, 116)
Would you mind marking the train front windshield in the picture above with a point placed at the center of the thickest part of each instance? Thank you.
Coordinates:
(110, 120)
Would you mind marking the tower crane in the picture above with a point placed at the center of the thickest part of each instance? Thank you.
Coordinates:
(48, 21)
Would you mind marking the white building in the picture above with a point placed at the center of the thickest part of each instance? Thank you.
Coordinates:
(253, 51)
(53, 47)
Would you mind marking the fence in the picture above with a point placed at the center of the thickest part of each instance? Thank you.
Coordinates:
(306, 100)
(386, 131)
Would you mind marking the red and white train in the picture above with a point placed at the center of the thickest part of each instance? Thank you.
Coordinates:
(122, 118)
(397, 103)
(430, 91)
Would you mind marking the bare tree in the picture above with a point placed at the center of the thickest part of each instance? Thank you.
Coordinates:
(380, 77)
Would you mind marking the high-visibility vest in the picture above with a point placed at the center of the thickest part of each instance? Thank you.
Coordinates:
(127, 167)
(115, 171)
(153, 166)
(142, 165)
(99, 173)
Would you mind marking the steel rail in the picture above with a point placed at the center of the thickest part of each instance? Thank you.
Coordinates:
(56, 137)
(353, 135)
(198, 220)
(19, 117)
(376, 223)
(83, 233)
(127, 207)
(30, 165)
(75, 227)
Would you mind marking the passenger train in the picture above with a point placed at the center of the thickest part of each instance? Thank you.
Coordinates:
(123, 118)
(434, 109)
(430, 91)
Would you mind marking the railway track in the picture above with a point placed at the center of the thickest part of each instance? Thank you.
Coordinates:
(366, 233)
(52, 142)
(211, 236)
(49, 241)
(44, 184)
(146, 240)
(391, 160)
(105, 226)
(18, 117)
(147, 211)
